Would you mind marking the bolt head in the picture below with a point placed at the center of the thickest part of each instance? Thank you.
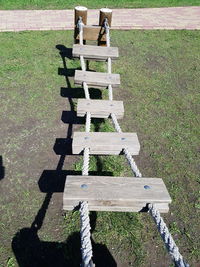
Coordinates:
(84, 186)
(147, 187)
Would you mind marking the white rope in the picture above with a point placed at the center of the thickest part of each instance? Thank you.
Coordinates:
(132, 163)
(167, 238)
(107, 29)
(83, 66)
(88, 122)
(110, 92)
(109, 65)
(86, 245)
(86, 90)
(80, 25)
(115, 122)
(86, 159)
(162, 228)
(84, 211)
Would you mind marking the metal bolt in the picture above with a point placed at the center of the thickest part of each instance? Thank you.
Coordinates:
(86, 137)
(111, 105)
(84, 186)
(88, 104)
(147, 187)
(123, 138)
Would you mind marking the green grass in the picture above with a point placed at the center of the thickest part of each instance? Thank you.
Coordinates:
(61, 4)
(160, 89)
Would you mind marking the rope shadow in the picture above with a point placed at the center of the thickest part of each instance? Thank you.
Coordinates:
(2, 168)
(29, 250)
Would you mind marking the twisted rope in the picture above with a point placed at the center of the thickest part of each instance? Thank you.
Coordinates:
(115, 122)
(88, 122)
(110, 92)
(107, 29)
(86, 161)
(132, 163)
(167, 238)
(161, 226)
(86, 245)
(80, 26)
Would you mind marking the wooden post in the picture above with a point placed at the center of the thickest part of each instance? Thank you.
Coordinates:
(104, 13)
(79, 11)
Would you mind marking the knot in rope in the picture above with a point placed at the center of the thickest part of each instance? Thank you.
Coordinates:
(80, 23)
(106, 25)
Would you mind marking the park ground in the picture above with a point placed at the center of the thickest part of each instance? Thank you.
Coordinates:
(63, 4)
(160, 77)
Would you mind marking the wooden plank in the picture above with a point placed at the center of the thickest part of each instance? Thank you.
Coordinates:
(105, 143)
(96, 78)
(162, 207)
(91, 33)
(100, 108)
(95, 52)
(107, 193)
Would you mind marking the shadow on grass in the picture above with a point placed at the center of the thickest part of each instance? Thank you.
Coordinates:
(2, 168)
(29, 250)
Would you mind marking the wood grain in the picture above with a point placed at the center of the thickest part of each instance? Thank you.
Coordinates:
(105, 143)
(95, 52)
(92, 33)
(100, 108)
(107, 193)
(96, 78)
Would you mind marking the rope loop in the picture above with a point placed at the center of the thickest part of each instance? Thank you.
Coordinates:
(106, 25)
(80, 23)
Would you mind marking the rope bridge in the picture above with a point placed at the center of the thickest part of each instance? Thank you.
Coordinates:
(88, 148)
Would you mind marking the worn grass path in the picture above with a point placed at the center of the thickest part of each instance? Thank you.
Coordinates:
(160, 75)
(143, 18)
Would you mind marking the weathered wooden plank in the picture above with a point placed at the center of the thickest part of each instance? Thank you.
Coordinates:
(107, 193)
(162, 207)
(96, 78)
(100, 108)
(95, 52)
(91, 33)
(105, 143)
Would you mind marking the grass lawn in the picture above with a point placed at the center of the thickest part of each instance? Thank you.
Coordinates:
(61, 4)
(160, 75)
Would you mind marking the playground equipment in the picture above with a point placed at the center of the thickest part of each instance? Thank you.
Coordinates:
(104, 193)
